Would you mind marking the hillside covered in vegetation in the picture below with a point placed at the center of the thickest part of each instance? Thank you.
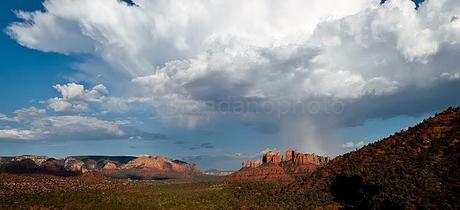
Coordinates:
(415, 168)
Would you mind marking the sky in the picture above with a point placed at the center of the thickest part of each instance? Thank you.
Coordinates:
(218, 82)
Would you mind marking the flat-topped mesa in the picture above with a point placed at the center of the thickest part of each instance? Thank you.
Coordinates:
(272, 157)
(275, 167)
(291, 156)
(251, 163)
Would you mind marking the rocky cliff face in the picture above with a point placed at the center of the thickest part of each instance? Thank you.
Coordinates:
(272, 157)
(292, 156)
(289, 155)
(310, 159)
(276, 167)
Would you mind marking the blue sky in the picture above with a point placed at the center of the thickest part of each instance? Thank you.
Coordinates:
(106, 77)
(26, 74)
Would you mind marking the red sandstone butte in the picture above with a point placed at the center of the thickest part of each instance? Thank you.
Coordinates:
(272, 157)
(276, 167)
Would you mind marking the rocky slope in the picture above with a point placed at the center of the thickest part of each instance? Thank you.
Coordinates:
(275, 167)
(145, 167)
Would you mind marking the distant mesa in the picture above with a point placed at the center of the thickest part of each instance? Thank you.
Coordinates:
(276, 167)
(216, 172)
(159, 166)
(145, 167)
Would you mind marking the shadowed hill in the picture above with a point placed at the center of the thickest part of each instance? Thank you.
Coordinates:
(416, 168)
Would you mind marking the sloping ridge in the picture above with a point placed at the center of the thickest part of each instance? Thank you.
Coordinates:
(416, 168)
(144, 167)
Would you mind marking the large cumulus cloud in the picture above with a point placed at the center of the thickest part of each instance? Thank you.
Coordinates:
(183, 55)
(135, 39)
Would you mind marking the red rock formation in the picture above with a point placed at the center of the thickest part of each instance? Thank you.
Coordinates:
(272, 157)
(275, 167)
(289, 155)
(142, 167)
(251, 163)
(148, 166)
(307, 163)
(299, 158)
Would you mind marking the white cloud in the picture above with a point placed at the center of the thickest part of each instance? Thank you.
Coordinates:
(65, 128)
(68, 125)
(70, 91)
(75, 98)
(24, 114)
(59, 105)
(137, 38)
(450, 76)
(348, 145)
(4, 117)
(17, 134)
(35, 124)
(352, 145)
